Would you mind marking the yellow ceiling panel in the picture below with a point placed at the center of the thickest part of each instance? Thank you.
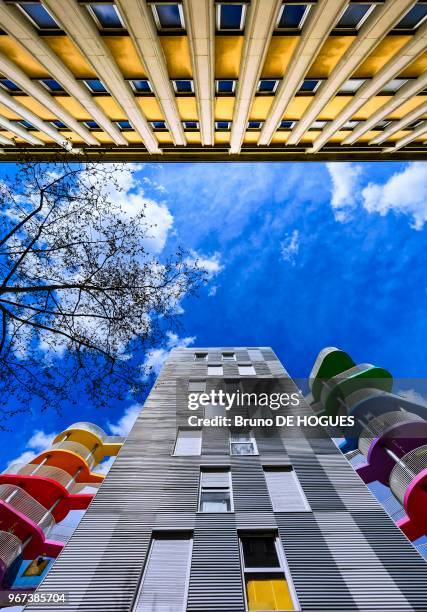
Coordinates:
(73, 107)
(279, 53)
(407, 107)
(339, 136)
(33, 105)
(281, 136)
(417, 68)
(228, 51)
(67, 51)
(251, 137)
(398, 135)
(177, 55)
(193, 137)
(150, 107)
(224, 107)
(222, 137)
(72, 137)
(334, 107)
(17, 54)
(126, 56)
(163, 137)
(187, 108)
(260, 108)
(132, 136)
(9, 114)
(329, 55)
(297, 107)
(370, 107)
(368, 136)
(42, 136)
(310, 136)
(111, 108)
(382, 53)
(103, 137)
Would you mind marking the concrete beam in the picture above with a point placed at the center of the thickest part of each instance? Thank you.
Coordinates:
(395, 126)
(19, 131)
(420, 131)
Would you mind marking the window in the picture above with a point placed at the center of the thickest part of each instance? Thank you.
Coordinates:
(286, 125)
(92, 125)
(124, 125)
(95, 85)
(168, 16)
(266, 575)
(317, 125)
(285, 490)
(242, 444)
(223, 126)
(59, 124)
(9, 85)
(158, 125)
(246, 369)
(292, 16)
(349, 125)
(225, 86)
(414, 124)
(172, 551)
(211, 411)
(141, 85)
(196, 386)
(255, 354)
(183, 86)
(393, 85)
(200, 356)
(26, 124)
(267, 85)
(39, 15)
(215, 370)
(230, 16)
(382, 124)
(190, 125)
(413, 18)
(215, 491)
(309, 85)
(228, 356)
(51, 85)
(188, 442)
(352, 85)
(106, 16)
(254, 125)
(354, 16)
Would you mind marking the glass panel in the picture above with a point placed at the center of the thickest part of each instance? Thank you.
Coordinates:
(169, 16)
(267, 85)
(353, 15)
(200, 356)
(52, 84)
(184, 86)
(394, 85)
(188, 442)
(292, 15)
(215, 370)
(309, 85)
(268, 592)
(10, 85)
(242, 448)
(352, 85)
(39, 15)
(107, 15)
(95, 85)
(225, 86)
(259, 552)
(246, 370)
(215, 501)
(141, 85)
(230, 16)
(413, 17)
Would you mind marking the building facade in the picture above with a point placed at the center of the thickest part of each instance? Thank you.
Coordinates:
(213, 80)
(239, 516)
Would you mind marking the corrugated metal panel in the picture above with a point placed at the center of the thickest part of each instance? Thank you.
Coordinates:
(285, 491)
(189, 442)
(215, 479)
(167, 566)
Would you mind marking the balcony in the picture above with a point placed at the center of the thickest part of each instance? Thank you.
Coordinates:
(403, 473)
(25, 504)
(10, 549)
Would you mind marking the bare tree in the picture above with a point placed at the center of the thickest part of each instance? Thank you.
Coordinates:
(81, 295)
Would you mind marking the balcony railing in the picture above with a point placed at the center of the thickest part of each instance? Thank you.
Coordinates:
(10, 547)
(377, 426)
(77, 448)
(405, 471)
(98, 431)
(54, 473)
(26, 504)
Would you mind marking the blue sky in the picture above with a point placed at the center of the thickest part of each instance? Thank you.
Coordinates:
(301, 256)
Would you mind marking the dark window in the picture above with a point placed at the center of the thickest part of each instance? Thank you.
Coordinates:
(230, 16)
(95, 85)
(39, 15)
(267, 85)
(26, 124)
(414, 124)
(260, 552)
(59, 124)
(183, 86)
(52, 85)
(158, 125)
(287, 125)
(200, 356)
(413, 18)
(309, 85)
(92, 125)
(107, 16)
(354, 15)
(254, 125)
(141, 85)
(191, 125)
(124, 125)
(9, 85)
(225, 86)
(292, 16)
(222, 125)
(168, 16)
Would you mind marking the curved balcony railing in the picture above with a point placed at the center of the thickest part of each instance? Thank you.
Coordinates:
(377, 426)
(10, 548)
(26, 504)
(405, 471)
(53, 473)
(97, 431)
(78, 449)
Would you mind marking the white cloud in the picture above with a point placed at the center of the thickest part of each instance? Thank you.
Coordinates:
(345, 187)
(126, 421)
(289, 247)
(38, 442)
(413, 396)
(213, 290)
(405, 193)
(155, 358)
(104, 466)
(211, 264)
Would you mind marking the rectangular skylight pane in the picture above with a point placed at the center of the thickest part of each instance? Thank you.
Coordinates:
(124, 125)
(230, 16)
(287, 125)
(10, 85)
(92, 125)
(352, 85)
(222, 125)
(158, 125)
(39, 15)
(414, 17)
(59, 124)
(354, 15)
(225, 86)
(141, 85)
(267, 85)
(183, 86)
(309, 85)
(52, 85)
(95, 85)
(292, 16)
(169, 16)
(393, 85)
(107, 16)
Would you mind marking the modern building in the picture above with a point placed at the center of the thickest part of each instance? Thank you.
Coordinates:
(37, 497)
(213, 80)
(388, 443)
(233, 516)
